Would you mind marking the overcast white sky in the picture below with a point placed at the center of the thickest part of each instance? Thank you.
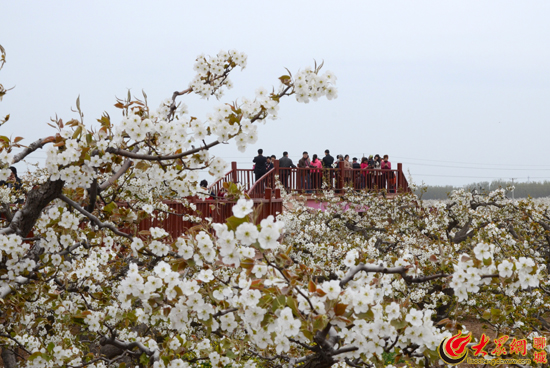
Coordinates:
(458, 91)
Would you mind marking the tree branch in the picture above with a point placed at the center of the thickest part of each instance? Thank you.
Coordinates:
(32, 147)
(401, 270)
(153, 354)
(125, 166)
(96, 221)
(121, 152)
(6, 289)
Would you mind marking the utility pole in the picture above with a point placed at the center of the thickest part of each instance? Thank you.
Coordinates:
(513, 190)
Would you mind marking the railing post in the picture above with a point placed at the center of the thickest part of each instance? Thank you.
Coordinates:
(341, 172)
(234, 171)
(269, 203)
(275, 172)
(400, 176)
(276, 167)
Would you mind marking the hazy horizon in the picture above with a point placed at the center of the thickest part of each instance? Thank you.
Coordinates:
(457, 92)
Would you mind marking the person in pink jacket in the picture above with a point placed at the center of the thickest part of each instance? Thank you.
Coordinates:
(316, 177)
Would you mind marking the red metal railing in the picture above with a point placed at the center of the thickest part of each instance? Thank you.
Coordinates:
(267, 200)
(217, 210)
(267, 181)
(309, 180)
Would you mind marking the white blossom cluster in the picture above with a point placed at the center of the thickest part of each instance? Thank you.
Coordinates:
(212, 71)
(6, 159)
(309, 85)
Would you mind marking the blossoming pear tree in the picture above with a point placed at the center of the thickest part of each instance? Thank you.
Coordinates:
(406, 275)
(366, 282)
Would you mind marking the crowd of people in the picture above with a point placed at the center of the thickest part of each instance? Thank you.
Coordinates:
(374, 171)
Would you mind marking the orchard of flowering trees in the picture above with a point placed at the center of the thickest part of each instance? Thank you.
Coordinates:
(368, 282)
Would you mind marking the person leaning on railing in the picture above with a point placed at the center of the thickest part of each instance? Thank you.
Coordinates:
(376, 181)
(364, 172)
(304, 164)
(389, 176)
(285, 163)
(316, 172)
(261, 164)
(347, 170)
(328, 162)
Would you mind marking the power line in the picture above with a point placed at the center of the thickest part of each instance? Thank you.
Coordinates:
(474, 168)
(478, 177)
(461, 162)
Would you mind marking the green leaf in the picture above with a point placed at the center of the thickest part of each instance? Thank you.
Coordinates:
(291, 302)
(50, 347)
(77, 132)
(320, 322)
(368, 316)
(285, 79)
(399, 323)
(234, 222)
(144, 359)
(230, 354)
(110, 207)
(280, 301)
(307, 334)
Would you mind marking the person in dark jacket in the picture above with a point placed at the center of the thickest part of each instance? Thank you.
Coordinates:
(303, 175)
(13, 180)
(285, 163)
(328, 160)
(261, 165)
(269, 164)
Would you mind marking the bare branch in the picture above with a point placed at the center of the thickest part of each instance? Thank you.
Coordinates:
(222, 313)
(153, 354)
(125, 166)
(401, 270)
(17, 342)
(31, 148)
(7, 289)
(121, 152)
(96, 221)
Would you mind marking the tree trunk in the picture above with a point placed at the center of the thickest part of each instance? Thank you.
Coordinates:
(319, 361)
(37, 200)
(9, 358)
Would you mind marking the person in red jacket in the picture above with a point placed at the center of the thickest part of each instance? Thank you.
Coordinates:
(364, 166)
(389, 176)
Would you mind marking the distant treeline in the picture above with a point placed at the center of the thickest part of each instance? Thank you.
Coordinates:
(522, 190)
